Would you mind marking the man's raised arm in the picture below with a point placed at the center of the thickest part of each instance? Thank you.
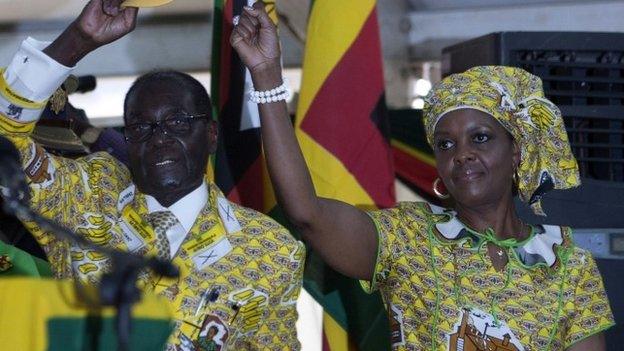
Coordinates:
(100, 22)
(35, 72)
(39, 68)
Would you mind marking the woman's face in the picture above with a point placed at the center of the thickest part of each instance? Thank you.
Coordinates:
(475, 156)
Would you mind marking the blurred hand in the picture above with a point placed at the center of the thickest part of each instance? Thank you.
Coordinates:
(78, 120)
(255, 39)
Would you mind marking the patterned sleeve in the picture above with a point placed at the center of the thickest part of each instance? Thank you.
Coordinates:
(114, 143)
(25, 86)
(388, 223)
(60, 189)
(58, 185)
(277, 330)
(592, 313)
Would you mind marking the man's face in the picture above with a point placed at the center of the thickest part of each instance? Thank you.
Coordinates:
(168, 165)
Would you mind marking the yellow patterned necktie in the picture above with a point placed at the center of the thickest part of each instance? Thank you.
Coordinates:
(162, 221)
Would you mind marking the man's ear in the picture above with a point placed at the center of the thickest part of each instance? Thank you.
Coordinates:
(213, 134)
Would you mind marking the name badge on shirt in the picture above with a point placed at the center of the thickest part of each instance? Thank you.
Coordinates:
(208, 248)
(226, 212)
(212, 253)
(125, 197)
(135, 233)
(133, 241)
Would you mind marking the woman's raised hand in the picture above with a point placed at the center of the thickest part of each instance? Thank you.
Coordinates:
(255, 39)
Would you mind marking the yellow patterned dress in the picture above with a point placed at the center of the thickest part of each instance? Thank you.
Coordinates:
(241, 271)
(442, 292)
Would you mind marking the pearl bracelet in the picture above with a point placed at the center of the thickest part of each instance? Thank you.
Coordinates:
(280, 93)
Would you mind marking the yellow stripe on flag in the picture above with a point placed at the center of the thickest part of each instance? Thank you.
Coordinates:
(271, 9)
(210, 174)
(331, 178)
(269, 201)
(333, 27)
(28, 304)
(337, 338)
(269, 195)
(422, 156)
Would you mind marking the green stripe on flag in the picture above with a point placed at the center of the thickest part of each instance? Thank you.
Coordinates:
(99, 333)
(362, 315)
(217, 29)
(407, 127)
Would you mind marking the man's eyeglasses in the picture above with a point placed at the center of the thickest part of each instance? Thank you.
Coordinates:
(177, 125)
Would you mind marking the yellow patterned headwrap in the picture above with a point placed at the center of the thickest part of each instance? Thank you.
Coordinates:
(515, 98)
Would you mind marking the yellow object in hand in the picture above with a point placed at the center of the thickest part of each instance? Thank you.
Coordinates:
(144, 3)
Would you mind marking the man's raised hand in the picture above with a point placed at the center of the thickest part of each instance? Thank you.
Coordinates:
(99, 23)
(103, 21)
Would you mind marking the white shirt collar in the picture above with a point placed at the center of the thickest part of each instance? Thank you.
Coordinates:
(186, 209)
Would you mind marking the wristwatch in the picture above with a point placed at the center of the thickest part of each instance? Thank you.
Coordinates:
(90, 135)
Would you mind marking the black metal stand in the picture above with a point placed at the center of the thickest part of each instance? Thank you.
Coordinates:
(117, 287)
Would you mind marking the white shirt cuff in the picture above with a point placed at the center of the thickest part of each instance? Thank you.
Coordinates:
(34, 75)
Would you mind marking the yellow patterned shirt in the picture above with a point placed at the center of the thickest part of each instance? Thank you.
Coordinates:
(442, 292)
(241, 272)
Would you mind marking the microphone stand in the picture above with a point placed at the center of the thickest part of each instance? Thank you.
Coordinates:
(117, 287)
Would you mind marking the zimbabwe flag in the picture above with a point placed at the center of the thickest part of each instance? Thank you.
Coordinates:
(54, 315)
(341, 125)
(239, 162)
(413, 157)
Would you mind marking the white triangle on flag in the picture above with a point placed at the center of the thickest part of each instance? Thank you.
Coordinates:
(250, 117)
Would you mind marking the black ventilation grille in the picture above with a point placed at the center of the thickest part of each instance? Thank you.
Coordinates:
(583, 74)
(588, 86)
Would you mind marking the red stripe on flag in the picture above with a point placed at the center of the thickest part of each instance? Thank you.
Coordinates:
(252, 186)
(226, 54)
(340, 120)
(326, 346)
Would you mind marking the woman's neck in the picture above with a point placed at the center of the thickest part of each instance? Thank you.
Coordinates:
(501, 218)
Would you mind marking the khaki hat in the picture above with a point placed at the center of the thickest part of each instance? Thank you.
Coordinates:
(144, 3)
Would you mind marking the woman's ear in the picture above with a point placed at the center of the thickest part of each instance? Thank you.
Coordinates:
(516, 155)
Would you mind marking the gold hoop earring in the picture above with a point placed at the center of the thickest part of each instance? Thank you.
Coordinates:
(437, 192)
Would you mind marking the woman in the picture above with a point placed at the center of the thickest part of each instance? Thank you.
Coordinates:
(474, 277)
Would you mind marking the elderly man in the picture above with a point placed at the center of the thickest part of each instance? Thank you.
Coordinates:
(240, 271)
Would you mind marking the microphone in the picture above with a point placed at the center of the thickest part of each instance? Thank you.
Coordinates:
(12, 179)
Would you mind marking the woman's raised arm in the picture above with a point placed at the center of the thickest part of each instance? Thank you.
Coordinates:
(343, 235)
